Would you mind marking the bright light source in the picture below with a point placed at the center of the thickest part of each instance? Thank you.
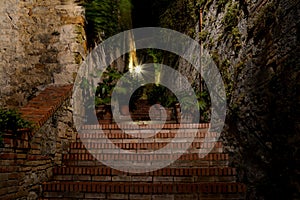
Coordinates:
(138, 69)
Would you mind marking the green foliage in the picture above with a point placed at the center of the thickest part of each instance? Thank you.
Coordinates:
(160, 94)
(181, 16)
(187, 104)
(201, 3)
(216, 58)
(106, 86)
(236, 38)
(203, 35)
(156, 55)
(224, 67)
(221, 4)
(162, 57)
(11, 120)
(204, 3)
(105, 18)
(230, 19)
(204, 104)
(227, 77)
(230, 22)
(125, 8)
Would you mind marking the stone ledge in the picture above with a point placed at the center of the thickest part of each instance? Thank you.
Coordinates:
(43, 106)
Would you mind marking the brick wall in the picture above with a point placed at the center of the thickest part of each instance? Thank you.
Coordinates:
(28, 157)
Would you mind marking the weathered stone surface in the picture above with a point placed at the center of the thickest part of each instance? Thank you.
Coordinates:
(256, 47)
(33, 36)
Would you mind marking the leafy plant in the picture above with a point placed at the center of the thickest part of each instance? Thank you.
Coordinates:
(106, 86)
(160, 94)
(11, 120)
(204, 104)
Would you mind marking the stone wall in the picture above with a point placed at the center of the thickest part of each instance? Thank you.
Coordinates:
(28, 157)
(42, 42)
(255, 44)
(256, 47)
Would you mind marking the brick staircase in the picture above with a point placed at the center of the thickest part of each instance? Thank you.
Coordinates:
(140, 113)
(82, 176)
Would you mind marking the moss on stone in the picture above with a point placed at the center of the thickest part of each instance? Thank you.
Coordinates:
(230, 19)
(203, 35)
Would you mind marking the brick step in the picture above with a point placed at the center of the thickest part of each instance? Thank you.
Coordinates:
(145, 117)
(140, 164)
(145, 126)
(144, 110)
(64, 189)
(148, 140)
(184, 161)
(226, 171)
(105, 121)
(172, 151)
(100, 155)
(98, 196)
(137, 120)
(79, 147)
(131, 134)
(145, 179)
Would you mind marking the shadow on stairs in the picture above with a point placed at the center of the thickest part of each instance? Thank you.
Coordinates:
(83, 176)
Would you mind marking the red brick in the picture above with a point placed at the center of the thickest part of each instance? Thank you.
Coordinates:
(8, 156)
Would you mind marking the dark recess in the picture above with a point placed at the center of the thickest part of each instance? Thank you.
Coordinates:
(142, 13)
(146, 13)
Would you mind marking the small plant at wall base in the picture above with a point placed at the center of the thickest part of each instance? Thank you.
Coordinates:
(11, 120)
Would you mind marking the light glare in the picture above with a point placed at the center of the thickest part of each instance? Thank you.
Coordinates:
(138, 69)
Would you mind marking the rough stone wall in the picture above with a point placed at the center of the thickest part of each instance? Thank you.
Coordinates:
(256, 46)
(8, 40)
(27, 159)
(42, 42)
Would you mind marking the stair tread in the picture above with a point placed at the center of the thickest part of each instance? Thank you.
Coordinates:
(145, 126)
(85, 173)
(103, 170)
(118, 134)
(144, 188)
(142, 156)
